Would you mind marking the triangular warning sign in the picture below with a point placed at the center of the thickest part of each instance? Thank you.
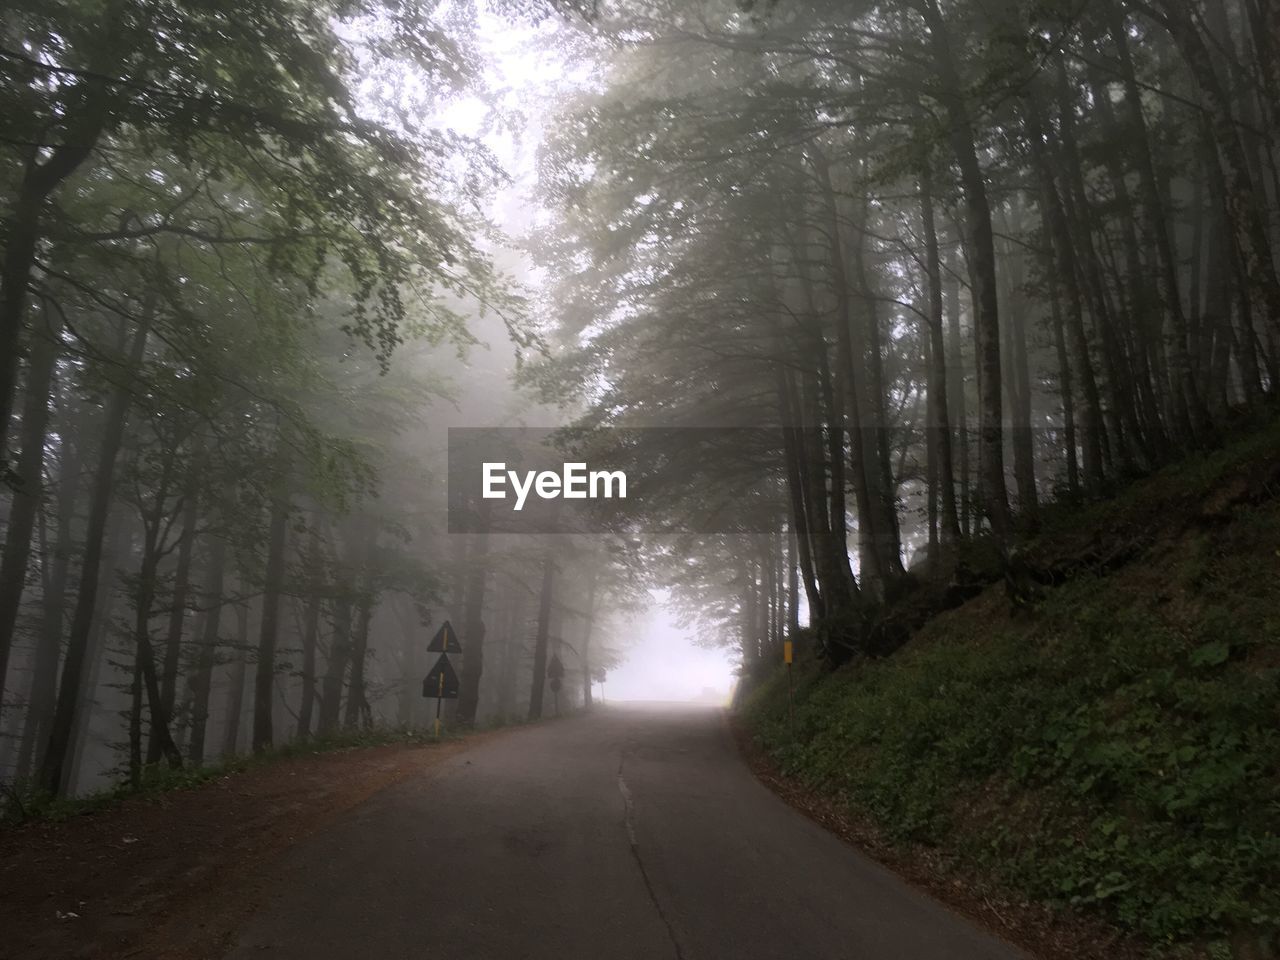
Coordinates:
(445, 640)
(442, 681)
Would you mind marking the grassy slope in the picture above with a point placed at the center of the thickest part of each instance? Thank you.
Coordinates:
(1115, 747)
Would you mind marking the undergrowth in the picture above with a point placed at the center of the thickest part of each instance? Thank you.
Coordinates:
(1115, 750)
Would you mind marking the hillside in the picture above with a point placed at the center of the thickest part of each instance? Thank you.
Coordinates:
(1109, 747)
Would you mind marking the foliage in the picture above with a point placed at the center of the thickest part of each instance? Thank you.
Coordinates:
(1115, 752)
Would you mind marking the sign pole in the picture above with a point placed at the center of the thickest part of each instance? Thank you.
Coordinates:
(442, 675)
(438, 701)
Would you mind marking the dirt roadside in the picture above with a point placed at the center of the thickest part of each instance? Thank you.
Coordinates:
(173, 875)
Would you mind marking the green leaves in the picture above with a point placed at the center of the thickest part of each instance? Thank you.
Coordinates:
(1211, 654)
(1121, 767)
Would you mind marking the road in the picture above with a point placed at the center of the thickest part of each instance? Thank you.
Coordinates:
(637, 832)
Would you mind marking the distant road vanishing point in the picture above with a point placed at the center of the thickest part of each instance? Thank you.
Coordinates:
(637, 833)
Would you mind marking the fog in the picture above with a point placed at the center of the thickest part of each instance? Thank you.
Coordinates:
(236, 341)
(664, 662)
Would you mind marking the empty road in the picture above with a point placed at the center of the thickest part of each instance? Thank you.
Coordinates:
(634, 834)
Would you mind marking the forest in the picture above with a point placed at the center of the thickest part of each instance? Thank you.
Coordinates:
(977, 267)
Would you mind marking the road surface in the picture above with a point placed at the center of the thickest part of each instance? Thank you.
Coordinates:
(634, 834)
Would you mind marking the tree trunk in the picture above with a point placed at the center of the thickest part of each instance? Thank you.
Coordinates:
(1245, 203)
(178, 610)
(473, 627)
(866, 399)
(44, 683)
(119, 539)
(588, 627)
(938, 425)
(144, 671)
(545, 596)
(357, 704)
(202, 679)
(336, 667)
(1120, 413)
(958, 412)
(28, 492)
(793, 455)
(1068, 402)
(23, 232)
(826, 502)
(264, 675)
(1067, 278)
(310, 634)
(1185, 401)
(235, 688)
(982, 271)
(60, 740)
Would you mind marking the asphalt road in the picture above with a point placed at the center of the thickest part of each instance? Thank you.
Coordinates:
(636, 832)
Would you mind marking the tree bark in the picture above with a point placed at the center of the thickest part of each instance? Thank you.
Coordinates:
(545, 596)
(958, 412)
(264, 675)
(1067, 278)
(310, 635)
(473, 627)
(44, 683)
(938, 424)
(1182, 386)
(357, 701)
(202, 679)
(53, 771)
(982, 270)
(27, 496)
(588, 626)
(24, 232)
(236, 684)
(181, 587)
(336, 667)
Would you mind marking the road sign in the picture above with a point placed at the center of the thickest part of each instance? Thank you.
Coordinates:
(442, 681)
(555, 669)
(555, 673)
(445, 640)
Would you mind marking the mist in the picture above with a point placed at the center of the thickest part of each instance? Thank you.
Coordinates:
(887, 389)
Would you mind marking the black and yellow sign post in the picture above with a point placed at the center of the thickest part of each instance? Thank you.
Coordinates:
(442, 681)
(787, 657)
